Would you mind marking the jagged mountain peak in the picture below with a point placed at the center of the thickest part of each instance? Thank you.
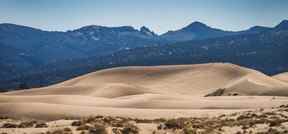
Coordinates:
(147, 31)
(144, 28)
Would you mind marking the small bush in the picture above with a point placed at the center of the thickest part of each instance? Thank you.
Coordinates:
(189, 131)
(41, 125)
(27, 124)
(98, 130)
(76, 123)
(274, 123)
(67, 129)
(175, 124)
(9, 125)
(4, 117)
(130, 130)
(83, 127)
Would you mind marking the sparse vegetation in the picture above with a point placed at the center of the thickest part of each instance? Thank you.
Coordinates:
(99, 125)
(275, 121)
(246, 121)
(9, 125)
(24, 124)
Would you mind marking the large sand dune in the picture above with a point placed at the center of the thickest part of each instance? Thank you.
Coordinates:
(151, 92)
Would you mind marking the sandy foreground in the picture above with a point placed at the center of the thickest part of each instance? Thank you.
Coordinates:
(200, 90)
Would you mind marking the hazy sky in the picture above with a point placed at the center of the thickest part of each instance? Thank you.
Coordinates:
(159, 15)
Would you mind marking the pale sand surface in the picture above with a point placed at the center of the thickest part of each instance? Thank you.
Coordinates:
(282, 76)
(150, 92)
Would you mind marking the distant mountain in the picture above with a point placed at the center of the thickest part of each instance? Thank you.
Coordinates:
(102, 40)
(200, 31)
(265, 51)
(86, 41)
(23, 48)
(37, 58)
(194, 31)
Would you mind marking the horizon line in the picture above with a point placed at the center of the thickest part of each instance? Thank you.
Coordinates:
(134, 27)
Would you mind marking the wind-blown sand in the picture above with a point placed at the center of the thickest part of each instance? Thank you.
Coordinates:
(151, 92)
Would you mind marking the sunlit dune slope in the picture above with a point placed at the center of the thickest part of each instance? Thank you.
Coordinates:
(282, 76)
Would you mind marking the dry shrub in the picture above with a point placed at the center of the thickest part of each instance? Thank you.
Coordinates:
(9, 125)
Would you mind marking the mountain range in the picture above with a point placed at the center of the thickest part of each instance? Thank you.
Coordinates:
(38, 58)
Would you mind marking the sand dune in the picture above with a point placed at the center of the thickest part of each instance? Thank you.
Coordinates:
(151, 92)
(282, 77)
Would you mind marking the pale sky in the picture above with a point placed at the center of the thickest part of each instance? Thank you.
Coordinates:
(158, 15)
